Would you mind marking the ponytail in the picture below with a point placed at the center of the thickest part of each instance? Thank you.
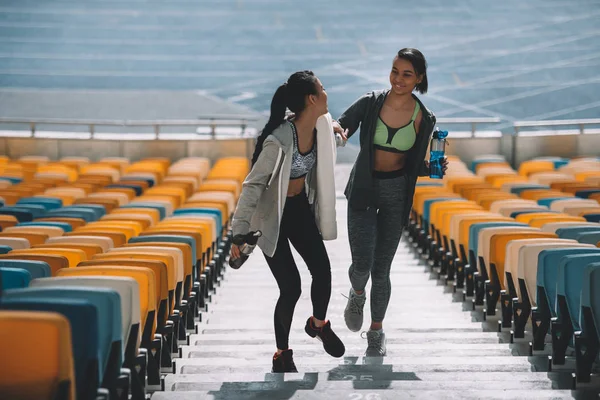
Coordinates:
(278, 108)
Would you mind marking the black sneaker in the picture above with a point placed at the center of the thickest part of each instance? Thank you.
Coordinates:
(331, 343)
(284, 362)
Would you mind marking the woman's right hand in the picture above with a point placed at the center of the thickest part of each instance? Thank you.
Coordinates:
(234, 253)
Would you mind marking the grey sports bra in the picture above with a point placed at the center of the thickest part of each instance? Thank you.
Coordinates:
(302, 163)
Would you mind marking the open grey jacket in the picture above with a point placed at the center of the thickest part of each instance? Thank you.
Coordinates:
(264, 192)
(364, 113)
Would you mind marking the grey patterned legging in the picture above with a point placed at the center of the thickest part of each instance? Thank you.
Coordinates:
(374, 236)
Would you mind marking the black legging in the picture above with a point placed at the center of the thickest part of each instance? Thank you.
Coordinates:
(299, 226)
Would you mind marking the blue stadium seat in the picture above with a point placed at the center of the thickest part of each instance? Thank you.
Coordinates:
(86, 215)
(98, 210)
(592, 217)
(63, 225)
(569, 284)
(571, 232)
(83, 317)
(108, 307)
(36, 210)
(586, 193)
(587, 341)
(49, 203)
(37, 269)
(20, 213)
(5, 249)
(14, 278)
(592, 237)
(547, 275)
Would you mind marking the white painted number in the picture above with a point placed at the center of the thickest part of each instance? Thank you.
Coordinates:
(368, 396)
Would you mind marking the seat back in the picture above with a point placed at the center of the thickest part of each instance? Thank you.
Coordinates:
(45, 367)
(108, 308)
(15, 243)
(485, 239)
(14, 278)
(574, 231)
(513, 250)
(83, 320)
(73, 256)
(589, 237)
(117, 237)
(590, 295)
(89, 249)
(127, 288)
(476, 228)
(528, 264)
(547, 272)
(555, 226)
(37, 269)
(105, 243)
(569, 283)
(146, 284)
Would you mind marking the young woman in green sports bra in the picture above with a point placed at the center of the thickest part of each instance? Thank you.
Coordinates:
(395, 131)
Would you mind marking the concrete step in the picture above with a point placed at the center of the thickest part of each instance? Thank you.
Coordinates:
(250, 351)
(372, 375)
(398, 337)
(362, 394)
(359, 364)
(327, 385)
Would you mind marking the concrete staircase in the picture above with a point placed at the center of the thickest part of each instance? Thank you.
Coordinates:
(437, 347)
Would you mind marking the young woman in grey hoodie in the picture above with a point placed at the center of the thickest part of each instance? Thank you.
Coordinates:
(282, 197)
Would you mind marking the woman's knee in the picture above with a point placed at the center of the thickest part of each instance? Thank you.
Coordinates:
(291, 294)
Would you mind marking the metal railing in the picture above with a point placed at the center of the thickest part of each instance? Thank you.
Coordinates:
(580, 123)
(473, 122)
(243, 121)
(212, 121)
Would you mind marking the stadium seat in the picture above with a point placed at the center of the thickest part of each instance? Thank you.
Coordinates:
(37, 269)
(45, 367)
(83, 321)
(569, 284)
(547, 272)
(14, 278)
(587, 340)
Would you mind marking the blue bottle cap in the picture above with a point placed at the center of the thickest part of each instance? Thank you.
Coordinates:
(439, 134)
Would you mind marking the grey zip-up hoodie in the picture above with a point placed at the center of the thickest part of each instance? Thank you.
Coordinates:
(364, 113)
(264, 191)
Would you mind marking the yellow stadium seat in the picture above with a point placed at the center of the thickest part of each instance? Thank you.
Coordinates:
(37, 356)
(73, 256)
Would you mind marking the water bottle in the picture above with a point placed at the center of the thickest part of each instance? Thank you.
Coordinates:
(247, 243)
(438, 147)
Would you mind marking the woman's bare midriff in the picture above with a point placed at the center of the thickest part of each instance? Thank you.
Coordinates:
(295, 187)
(386, 161)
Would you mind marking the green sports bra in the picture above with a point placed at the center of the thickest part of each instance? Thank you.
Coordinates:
(396, 140)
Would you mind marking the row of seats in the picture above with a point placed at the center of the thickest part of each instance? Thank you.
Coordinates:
(525, 240)
(111, 263)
